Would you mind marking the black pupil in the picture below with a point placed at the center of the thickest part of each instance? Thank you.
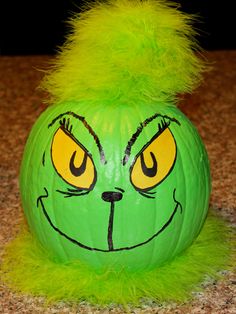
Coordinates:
(77, 171)
(149, 171)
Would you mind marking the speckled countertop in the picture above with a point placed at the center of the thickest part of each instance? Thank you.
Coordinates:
(212, 108)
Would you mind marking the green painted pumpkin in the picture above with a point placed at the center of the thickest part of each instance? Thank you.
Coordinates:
(121, 186)
(113, 174)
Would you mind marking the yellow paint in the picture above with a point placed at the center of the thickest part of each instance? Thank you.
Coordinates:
(63, 147)
(164, 149)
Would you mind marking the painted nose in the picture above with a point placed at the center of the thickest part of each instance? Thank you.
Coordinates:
(112, 196)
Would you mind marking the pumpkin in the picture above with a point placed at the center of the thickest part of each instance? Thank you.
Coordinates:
(113, 174)
(122, 187)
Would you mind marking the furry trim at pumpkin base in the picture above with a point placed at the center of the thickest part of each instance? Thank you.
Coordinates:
(115, 180)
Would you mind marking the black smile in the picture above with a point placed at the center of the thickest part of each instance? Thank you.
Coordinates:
(111, 249)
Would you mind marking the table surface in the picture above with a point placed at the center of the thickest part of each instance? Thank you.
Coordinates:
(212, 108)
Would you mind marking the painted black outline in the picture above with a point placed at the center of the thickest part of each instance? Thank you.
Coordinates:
(43, 159)
(78, 171)
(73, 138)
(88, 127)
(120, 189)
(110, 228)
(149, 171)
(146, 194)
(40, 201)
(71, 192)
(140, 129)
(112, 197)
(141, 151)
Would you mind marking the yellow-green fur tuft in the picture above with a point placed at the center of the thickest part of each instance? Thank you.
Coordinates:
(126, 51)
(27, 267)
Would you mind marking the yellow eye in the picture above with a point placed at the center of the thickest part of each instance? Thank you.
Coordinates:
(72, 161)
(154, 162)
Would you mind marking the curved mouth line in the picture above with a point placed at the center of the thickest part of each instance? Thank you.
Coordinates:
(111, 249)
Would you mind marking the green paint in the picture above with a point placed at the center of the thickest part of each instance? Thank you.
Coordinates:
(136, 218)
(30, 269)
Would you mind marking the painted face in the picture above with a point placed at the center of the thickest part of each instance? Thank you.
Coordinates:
(112, 188)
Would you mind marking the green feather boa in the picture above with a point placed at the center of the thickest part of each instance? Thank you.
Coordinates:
(28, 268)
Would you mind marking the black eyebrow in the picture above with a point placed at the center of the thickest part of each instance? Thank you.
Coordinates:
(139, 130)
(88, 127)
